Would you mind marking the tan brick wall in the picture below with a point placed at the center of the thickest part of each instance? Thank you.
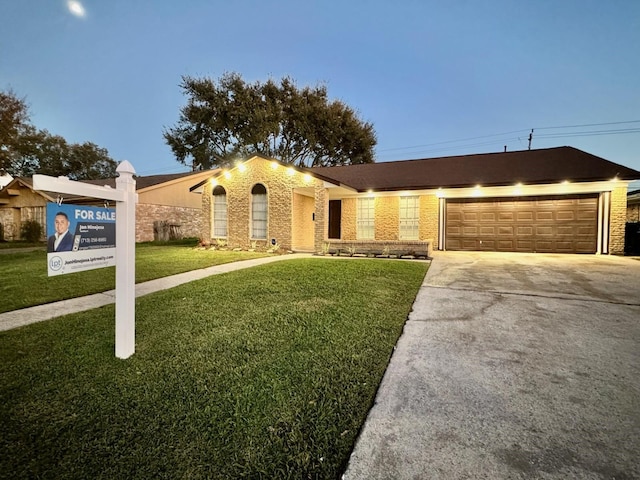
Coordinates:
(387, 218)
(633, 213)
(348, 219)
(429, 219)
(618, 220)
(321, 202)
(191, 220)
(280, 187)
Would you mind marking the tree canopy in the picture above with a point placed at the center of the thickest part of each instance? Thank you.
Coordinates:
(25, 150)
(230, 118)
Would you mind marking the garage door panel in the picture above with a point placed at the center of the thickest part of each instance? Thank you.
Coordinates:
(526, 216)
(544, 216)
(565, 215)
(562, 224)
(568, 230)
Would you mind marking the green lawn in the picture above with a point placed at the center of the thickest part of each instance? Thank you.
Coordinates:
(25, 282)
(261, 373)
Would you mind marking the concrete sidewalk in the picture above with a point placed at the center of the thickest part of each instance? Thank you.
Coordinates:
(512, 366)
(26, 316)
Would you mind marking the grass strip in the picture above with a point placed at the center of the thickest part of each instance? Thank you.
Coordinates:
(25, 282)
(262, 373)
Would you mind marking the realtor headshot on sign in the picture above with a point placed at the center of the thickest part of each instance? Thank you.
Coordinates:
(62, 239)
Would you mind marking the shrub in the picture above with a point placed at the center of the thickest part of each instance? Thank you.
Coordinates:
(31, 231)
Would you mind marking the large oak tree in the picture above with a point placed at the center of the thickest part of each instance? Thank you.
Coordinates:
(25, 150)
(230, 118)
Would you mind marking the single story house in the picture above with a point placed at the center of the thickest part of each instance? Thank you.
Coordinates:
(559, 200)
(161, 198)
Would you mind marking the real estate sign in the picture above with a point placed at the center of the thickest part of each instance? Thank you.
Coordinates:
(80, 238)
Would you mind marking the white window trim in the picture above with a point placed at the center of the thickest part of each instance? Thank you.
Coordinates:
(213, 217)
(365, 227)
(266, 220)
(410, 223)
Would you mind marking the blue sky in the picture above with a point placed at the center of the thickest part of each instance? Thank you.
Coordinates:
(435, 78)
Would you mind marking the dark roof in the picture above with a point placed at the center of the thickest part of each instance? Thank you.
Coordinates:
(141, 182)
(144, 182)
(541, 166)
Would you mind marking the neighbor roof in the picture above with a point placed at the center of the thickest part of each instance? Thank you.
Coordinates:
(141, 183)
(540, 166)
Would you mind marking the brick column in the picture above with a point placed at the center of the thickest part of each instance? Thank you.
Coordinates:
(618, 220)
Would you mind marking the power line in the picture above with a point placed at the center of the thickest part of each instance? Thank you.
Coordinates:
(452, 141)
(587, 125)
(544, 135)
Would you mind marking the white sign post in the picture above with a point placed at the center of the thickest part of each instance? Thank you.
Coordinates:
(126, 198)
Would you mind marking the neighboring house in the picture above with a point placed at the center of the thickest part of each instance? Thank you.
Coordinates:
(633, 206)
(164, 198)
(559, 200)
(5, 180)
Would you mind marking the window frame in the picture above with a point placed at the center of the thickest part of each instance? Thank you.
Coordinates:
(219, 216)
(409, 218)
(365, 218)
(263, 212)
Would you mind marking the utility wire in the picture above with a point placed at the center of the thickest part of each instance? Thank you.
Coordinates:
(497, 140)
(587, 125)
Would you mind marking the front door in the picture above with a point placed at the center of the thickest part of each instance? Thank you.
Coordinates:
(335, 213)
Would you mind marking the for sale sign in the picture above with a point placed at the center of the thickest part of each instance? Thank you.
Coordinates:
(79, 238)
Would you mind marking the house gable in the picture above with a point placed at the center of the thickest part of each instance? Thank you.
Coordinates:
(286, 189)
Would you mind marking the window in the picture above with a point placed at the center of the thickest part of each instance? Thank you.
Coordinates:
(364, 224)
(219, 212)
(409, 218)
(259, 212)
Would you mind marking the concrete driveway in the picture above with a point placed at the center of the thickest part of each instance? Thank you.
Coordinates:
(512, 366)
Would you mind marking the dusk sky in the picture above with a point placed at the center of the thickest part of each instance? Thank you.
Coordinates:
(434, 78)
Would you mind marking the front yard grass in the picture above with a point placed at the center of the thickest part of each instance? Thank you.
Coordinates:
(25, 282)
(261, 373)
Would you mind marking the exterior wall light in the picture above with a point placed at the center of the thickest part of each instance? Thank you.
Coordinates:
(274, 165)
(213, 182)
(242, 167)
(227, 175)
(307, 178)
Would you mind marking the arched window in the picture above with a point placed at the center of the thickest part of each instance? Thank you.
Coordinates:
(219, 212)
(259, 212)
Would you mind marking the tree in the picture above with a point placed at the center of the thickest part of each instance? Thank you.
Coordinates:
(230, 118)
(25, 150)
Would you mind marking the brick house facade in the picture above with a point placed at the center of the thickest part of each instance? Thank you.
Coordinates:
(411, 202)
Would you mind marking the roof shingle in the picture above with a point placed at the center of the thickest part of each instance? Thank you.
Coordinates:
(542, 166)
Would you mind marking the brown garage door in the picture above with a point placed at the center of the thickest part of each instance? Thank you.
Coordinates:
(552, 224)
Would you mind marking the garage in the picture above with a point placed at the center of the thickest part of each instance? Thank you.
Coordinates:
(545, 224)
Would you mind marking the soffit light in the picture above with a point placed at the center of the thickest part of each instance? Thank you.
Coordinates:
(242, 167)
(274, 165)
(227, 175)
(291, 171)
(307, 177)
(213, 182)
